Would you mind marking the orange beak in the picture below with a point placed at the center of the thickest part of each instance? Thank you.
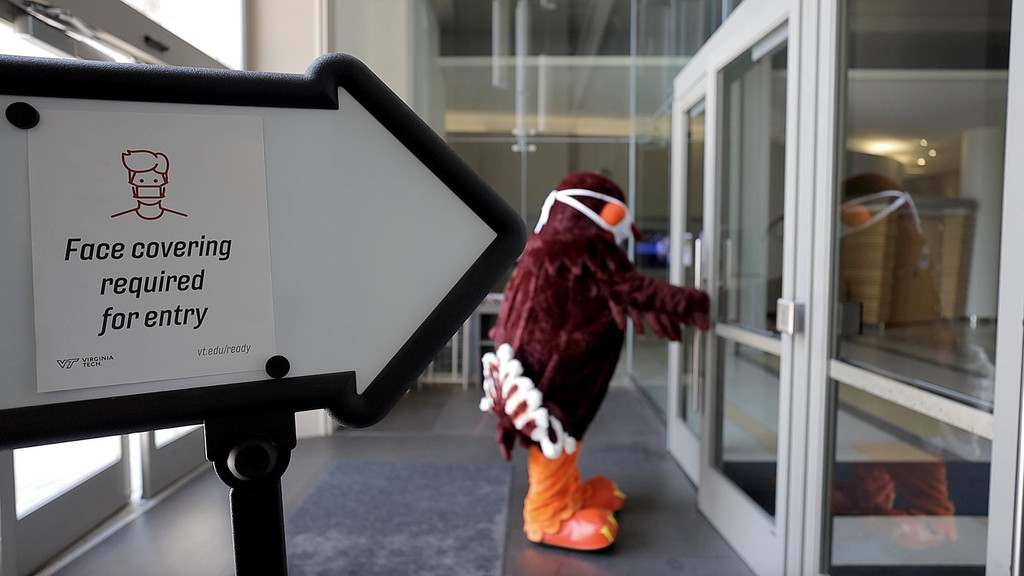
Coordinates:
(613, 214)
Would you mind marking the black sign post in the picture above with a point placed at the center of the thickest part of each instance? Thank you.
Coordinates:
(250, 453)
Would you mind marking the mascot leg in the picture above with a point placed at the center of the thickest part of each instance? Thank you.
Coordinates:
(559, 509)
(554, 511)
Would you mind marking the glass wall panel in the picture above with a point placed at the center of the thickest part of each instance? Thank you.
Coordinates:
(492, 156)
(752, 189)
(42, 473)
(537, 89)
(164, 437)
(547, 86)
(664, 37)
(651, 214)
(690, 410)
(555, 158)
(747, 451)
(676, 27)
(748, 242)
(921, 191)
(909, 493)
(918, 241)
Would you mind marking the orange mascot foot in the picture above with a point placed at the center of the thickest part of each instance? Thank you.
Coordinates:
(587, 529)
(603, 493)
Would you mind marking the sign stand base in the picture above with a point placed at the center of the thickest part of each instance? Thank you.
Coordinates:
(250, 453)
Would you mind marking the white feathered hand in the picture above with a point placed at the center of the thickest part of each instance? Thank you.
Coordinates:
(510, 395)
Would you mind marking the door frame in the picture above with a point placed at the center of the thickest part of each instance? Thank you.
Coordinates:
(1004, 554)
(164, 465)
(815, 66)
(813, 435)
(822, 84)
(723, 503)
(683, 443)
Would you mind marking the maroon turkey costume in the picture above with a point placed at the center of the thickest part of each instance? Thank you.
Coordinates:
(558, 337)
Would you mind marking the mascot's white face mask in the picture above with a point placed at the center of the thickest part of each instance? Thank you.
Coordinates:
(615, 217)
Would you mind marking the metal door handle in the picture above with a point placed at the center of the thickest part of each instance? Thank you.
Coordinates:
(789, 316)
(727, 277)
(697, 368)
(697, 377)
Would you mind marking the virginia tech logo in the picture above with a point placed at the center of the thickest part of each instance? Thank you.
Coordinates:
(67, 363)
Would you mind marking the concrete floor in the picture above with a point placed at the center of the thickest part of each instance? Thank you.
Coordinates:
(188, 531)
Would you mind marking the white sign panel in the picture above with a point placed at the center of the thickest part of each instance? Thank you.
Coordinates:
(150, 247)
(180, 245)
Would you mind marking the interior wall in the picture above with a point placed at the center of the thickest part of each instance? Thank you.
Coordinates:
(283, 36)
(397, 39)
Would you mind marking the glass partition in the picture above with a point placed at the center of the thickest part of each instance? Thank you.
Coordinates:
(752, 186)
(908, 491)
(747, 450)
(43, 473)
(919, 196)
(535, 90)
(651, 253)
(690, 407)
(749, 239)
(921, 192)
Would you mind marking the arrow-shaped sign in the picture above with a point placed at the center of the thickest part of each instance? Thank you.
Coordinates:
(168, 231)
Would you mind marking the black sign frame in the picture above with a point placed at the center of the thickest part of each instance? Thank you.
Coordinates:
(316, 89)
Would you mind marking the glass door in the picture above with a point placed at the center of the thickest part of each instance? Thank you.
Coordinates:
(742, 366)
(61, 491)
(166, 456)
(686, 377)
(919, 196)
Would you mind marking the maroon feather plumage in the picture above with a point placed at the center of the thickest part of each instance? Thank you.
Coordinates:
(566, 306)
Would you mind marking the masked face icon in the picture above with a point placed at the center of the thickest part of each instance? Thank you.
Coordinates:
(147, 174)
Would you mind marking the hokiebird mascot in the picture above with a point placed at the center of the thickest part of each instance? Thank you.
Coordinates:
(558, 338)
